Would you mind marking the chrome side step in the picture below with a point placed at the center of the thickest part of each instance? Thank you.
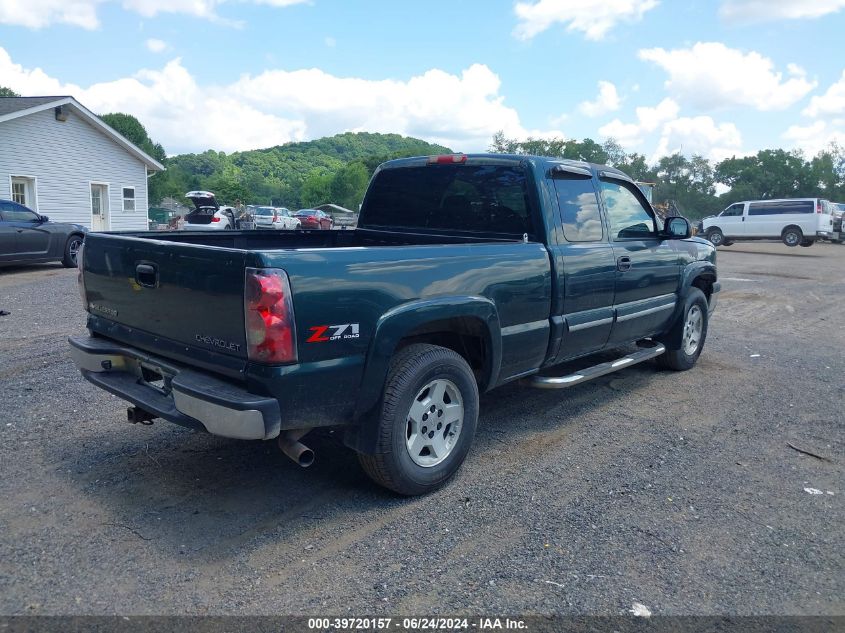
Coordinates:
(563, 382)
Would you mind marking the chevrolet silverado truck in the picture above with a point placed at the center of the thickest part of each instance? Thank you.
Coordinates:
(465, 272)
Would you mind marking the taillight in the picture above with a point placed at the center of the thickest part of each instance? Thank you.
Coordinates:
(268, 312)
(80, 276)
(818, 206)
(214, 218)
(447, 159)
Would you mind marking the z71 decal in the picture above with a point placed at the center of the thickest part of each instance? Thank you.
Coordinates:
(325, 333)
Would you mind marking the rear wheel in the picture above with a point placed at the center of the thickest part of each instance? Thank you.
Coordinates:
(427, 420)
(72, 246)
(688, 334)
(792, 236)
(715, 237)
(807, 243)
(727, 243)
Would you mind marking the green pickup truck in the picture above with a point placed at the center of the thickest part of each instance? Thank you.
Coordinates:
(465, 272)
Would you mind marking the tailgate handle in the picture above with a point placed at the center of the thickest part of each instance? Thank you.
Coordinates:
(146, 275)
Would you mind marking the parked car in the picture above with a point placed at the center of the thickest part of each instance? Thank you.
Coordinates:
(208, 215)
(795, 221)
(275, 218)
(27, 237)
(464, 273)
(314, 219)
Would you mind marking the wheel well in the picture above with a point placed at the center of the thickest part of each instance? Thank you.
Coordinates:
(705, 284)
(791, 226)
(464, 335)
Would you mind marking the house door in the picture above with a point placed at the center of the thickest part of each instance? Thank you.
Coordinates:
(99, 207)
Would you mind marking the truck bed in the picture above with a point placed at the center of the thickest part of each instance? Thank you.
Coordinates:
(193, 310)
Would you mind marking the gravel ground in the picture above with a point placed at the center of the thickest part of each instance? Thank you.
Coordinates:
(674, 490)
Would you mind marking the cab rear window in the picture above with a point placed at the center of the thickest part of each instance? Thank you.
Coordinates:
(464, 198)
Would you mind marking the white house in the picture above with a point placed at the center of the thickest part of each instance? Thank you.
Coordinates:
(61, 160)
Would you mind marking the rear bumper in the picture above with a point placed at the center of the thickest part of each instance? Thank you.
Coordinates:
(190, 398)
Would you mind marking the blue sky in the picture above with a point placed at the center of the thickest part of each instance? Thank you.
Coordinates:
(720, 78)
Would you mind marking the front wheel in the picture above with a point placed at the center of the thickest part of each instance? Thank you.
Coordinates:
(427, 420)
(72, 246)
(686, 339)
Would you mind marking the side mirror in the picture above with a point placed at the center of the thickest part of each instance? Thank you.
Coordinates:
(43, 218)
(676, 228)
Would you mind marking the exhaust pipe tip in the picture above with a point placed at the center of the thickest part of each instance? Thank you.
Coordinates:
(306, 457)
(291, 446)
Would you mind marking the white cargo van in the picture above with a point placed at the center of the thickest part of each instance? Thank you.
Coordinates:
(796, 222)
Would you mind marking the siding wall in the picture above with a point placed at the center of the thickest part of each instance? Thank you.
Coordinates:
(64, 158)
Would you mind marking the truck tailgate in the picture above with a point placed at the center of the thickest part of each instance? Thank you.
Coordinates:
(192, 295)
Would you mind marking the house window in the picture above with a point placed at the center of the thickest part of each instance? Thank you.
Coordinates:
(23, 191)
(129, 198)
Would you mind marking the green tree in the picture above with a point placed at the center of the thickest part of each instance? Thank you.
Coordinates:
(317, 189)
(349, 184)
(134, 131)
(8, 92)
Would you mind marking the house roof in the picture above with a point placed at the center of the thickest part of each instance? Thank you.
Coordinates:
(14, 104)
(15, 107)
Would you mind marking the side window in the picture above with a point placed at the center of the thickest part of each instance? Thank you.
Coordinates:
(579, 208)
(627, 215)
(17, 213)
(735, 210)
(129, 198)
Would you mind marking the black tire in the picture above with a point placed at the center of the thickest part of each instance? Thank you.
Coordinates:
(792, 236)
(71, 250)
(678, 356)
(411, 370)
(715, 237)
(727, 243)
(807, 243)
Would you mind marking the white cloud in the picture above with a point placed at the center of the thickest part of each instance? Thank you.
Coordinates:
(648, 120)
(607, 101)
(593, 18)
(699, 135)
(710, 75)
(817, 136)
(330, 41)
(156, 46)
(37, 14)
(744, 11)
(461, 111)
(831, 103)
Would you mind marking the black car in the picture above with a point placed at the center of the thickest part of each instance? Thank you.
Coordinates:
(27, 237)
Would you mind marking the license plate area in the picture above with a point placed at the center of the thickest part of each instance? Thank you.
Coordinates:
(156, 378)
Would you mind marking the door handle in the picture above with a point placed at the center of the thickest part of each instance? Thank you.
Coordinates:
(146, 275)
(623, 264)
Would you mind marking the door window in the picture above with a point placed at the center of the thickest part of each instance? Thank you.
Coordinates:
(16, 213)
(579, 208)
(96, 200)
(735, 210)
(629, 219)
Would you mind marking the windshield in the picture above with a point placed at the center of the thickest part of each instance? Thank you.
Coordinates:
(263, 211)
(473, 198)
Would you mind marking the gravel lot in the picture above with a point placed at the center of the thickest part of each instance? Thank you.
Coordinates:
(674, 490)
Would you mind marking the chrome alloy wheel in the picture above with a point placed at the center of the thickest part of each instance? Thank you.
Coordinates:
(693, 328)
(73, 249)
(434, 423)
